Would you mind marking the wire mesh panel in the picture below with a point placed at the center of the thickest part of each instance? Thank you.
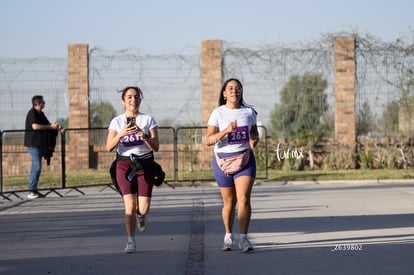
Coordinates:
(265, 71)
(166, 155)
(384, 88)
(21, 79)
(193, 155)
(170, 83)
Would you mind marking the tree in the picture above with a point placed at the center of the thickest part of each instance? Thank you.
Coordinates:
(302, 106)
(365, 121)
(101, 114)
(63, 122)
(389, 119)
(406, 109)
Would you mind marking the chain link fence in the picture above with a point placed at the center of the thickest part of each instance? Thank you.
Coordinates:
(21, 79)
(265, 71)
(170, 83)
(384, 88)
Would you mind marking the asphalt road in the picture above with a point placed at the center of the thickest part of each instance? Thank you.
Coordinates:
(296, 228)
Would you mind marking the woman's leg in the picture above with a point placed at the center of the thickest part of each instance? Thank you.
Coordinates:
(243, 188)
(228, 211)
(144, 195)
(130, 214)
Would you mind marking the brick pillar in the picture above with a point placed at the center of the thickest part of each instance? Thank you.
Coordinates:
(345, 117)
(77, 147)
(211, 76)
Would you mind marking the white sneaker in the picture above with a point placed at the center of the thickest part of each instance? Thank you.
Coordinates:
(228, 243)
(33, 195)
(131, 247)
(142, 223)
(245, 245)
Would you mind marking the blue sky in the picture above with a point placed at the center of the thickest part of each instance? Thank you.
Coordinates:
(44, 27)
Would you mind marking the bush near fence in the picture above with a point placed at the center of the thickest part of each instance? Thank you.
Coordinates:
(328, 154)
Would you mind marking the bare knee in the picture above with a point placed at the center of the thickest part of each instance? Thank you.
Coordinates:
(143, 205)
(130, 204)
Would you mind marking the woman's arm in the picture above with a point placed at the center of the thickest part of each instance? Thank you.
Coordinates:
(114, 137)
(213, 135)
(112, 140)
(152, 140)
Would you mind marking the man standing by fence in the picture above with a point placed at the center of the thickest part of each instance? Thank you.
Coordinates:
(39, 142)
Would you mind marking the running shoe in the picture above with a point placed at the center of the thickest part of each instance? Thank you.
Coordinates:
(245, 245)
(228, 243)
(34, 195)
(131, 247)
(142, 223)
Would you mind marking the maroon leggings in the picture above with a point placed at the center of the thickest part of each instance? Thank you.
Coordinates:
(141, 183)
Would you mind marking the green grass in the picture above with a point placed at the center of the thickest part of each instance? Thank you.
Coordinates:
(357, 174)
(54, 179)
(98, 177)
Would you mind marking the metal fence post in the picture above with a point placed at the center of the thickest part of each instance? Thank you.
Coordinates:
(1, 161)
(63, 155)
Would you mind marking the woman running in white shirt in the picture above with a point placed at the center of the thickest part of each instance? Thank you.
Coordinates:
(232, 129)
(135, 137)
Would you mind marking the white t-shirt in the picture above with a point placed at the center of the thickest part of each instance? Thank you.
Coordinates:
(133, 144)
(238, 140)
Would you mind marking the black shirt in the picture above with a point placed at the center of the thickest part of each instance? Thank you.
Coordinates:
(39, 137)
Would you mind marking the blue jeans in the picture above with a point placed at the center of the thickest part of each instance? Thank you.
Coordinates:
(36, 167)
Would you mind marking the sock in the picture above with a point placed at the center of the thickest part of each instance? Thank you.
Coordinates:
(243, 236)
(228, 235)
(131, 238)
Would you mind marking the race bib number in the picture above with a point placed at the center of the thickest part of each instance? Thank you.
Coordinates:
(239, 136)
(131, 140)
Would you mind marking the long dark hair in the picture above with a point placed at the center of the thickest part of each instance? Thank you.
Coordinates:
(222, 100)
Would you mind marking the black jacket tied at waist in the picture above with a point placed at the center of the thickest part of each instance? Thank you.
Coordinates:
(138, 162)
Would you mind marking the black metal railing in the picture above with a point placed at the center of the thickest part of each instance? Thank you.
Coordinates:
(183, 156)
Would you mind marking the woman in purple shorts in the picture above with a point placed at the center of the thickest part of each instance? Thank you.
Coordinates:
(232, 129)
(135, 137)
